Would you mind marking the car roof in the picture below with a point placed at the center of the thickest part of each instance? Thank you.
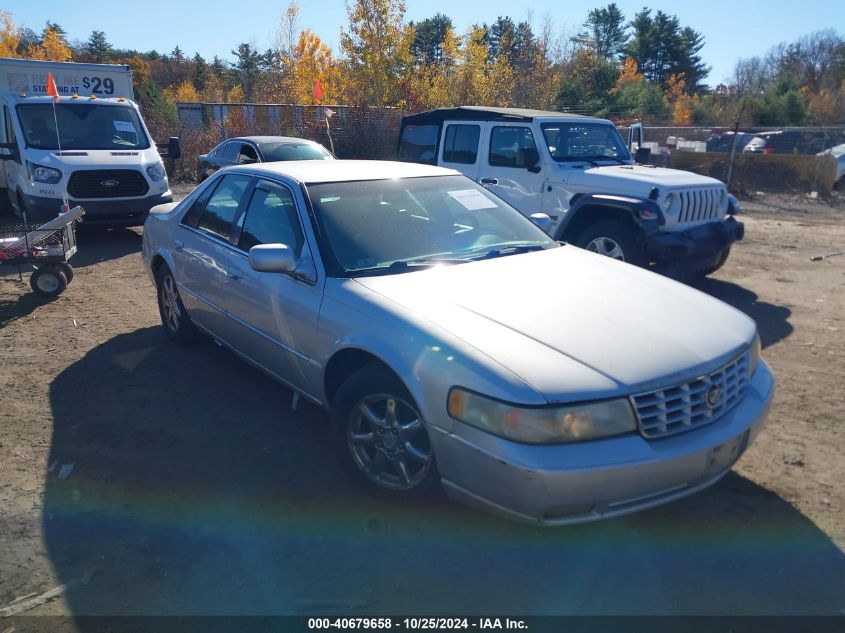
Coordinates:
(316, 171)
(272, 139)
(483, 113)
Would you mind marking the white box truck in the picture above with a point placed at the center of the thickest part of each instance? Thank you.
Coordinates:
(94, 145)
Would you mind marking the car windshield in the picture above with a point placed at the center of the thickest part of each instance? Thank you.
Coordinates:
(585, 141)
(82, 126)
(294, 151)
(397, 225)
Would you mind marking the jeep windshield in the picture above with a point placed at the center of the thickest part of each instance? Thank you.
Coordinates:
(82, 126)
(589, 142)
(383, 227)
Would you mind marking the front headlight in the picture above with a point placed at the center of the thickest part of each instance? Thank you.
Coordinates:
(543, 425)
(39, 173)
(668, 200)
(754, 353)
(157, 172)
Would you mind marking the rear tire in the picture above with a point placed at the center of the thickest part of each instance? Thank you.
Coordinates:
(48, 281)
(614, 239)
(67, 269)
(174, 317)
(381, 438)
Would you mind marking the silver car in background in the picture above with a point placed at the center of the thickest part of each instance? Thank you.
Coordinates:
(453, 342)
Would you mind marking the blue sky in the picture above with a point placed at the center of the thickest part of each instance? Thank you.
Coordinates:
(732, 29)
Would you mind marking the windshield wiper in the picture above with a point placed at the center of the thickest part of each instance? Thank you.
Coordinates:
(402, 266)
(577, 159)
(510, 250)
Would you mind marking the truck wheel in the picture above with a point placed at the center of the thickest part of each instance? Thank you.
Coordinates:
(613, 239)
(174, 317)
(380, 436)
(48, 281)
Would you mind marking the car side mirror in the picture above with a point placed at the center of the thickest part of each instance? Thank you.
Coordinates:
(272, 258)
(542, 220)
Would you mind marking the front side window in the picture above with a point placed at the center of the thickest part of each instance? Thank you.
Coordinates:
(82, 126)
(271, 218)
(217, 216)
(460, 144)
(419, 143)
(585, 141)
(229, 152)
(387, 226)
(512, 146)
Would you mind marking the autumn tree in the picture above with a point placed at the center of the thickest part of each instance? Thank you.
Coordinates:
(10, 35)
(377, 51)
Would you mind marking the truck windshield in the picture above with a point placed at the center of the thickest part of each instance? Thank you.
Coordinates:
(585, 141)
(82, 126)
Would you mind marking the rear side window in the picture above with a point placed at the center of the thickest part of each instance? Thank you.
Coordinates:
(247, 153)
(271, 218)
(217, 216)
(419, 143)
(512, 146)
(460, 144)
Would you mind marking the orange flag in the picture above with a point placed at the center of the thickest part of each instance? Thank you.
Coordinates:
(52, 91)
(318, 91)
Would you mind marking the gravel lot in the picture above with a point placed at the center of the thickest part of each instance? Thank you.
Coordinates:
(144, 479)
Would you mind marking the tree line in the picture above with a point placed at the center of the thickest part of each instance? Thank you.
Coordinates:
(647, 66)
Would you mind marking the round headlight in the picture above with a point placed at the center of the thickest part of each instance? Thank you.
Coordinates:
(668, 200)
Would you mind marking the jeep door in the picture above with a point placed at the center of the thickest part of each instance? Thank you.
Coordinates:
(510, 165)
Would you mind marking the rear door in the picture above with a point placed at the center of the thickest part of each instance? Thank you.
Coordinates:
(459, 147)
(510, 165)
(201, 248)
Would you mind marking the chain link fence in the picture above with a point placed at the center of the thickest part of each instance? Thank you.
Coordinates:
(808, 160)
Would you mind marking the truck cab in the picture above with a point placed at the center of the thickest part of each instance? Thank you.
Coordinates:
(94, 147)
(579, 172)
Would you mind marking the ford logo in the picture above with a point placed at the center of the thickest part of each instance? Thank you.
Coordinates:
(109, 182)
(712, 397)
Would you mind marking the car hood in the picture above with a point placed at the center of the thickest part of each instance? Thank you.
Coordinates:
(550, 315)
(655, 176)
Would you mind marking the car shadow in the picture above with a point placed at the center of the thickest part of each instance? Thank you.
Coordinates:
(772, 320)
(24, 304)
(97, 244)
(196, 489)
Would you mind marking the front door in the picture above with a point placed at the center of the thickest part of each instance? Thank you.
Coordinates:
(274, 314)
(510, 167)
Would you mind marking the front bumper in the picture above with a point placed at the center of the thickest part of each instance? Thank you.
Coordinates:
(557, 485)
(126, 212)
(699, 242)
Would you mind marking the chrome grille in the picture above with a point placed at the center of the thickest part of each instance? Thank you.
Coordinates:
(700, 205)
(684, 407)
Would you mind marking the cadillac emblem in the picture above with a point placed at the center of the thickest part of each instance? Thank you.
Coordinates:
(712, 397)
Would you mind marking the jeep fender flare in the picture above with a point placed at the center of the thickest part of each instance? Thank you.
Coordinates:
(587, 209)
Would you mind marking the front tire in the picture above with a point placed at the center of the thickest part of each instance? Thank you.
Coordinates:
(48, 281)
(174, 317)
(614, 239)
(381, 438)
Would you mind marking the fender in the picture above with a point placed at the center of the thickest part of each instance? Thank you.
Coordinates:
(644, 213)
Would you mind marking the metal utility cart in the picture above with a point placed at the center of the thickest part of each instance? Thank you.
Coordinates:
(47, 247)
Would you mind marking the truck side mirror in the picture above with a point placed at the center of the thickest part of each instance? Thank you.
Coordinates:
(174, 148)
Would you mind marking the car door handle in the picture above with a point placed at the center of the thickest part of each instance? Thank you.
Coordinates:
(489, 181)
(178, 244)
(234, 275)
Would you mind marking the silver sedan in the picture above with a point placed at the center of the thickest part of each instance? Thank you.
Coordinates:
(455, 344)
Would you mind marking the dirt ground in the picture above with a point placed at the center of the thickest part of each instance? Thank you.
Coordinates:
(139, 478)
